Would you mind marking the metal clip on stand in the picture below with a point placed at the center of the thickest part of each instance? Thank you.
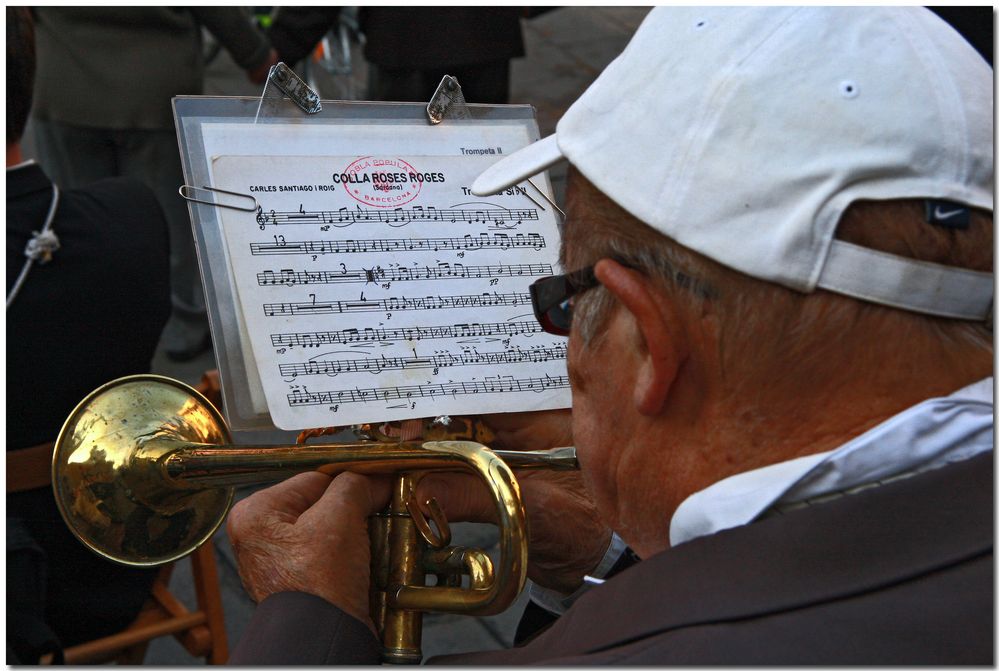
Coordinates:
(282, 81)
(448, 102)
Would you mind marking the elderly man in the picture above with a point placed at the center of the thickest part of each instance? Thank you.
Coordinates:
(779, 241)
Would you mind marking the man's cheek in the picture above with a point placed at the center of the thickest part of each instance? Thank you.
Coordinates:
(577, 379)
(585, 439)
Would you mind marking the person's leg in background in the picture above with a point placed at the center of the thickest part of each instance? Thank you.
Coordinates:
(153, 156)
(482, 83)
(487, 83)
(74, 156)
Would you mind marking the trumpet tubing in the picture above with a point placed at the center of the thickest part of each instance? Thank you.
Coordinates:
(144, 470)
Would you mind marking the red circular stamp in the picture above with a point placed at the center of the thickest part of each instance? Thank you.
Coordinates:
(381, 182)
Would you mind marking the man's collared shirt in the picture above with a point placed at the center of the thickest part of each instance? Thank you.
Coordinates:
(929, 435)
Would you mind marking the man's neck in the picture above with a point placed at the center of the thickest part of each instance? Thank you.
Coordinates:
(734, 433)
(14, 155)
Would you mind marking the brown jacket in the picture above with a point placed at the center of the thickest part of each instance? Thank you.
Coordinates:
(898, 574)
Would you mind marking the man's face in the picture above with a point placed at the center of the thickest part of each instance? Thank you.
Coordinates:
(599, 373)
(626, 456)
(598, 406)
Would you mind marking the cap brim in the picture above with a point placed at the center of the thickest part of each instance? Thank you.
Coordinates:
(517, 167)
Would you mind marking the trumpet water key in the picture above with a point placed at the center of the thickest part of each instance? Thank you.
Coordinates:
(145, 467)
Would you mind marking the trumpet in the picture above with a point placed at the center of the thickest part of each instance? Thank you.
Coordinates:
(144, 471)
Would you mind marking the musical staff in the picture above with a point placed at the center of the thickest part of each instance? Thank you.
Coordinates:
(376, 365)
(497, 385)
(442, 271)
(501, 241)
(399, 216)
(412, 333)
(350, 282)
(393, 304)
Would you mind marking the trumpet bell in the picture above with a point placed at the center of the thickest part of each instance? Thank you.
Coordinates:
(107, 470)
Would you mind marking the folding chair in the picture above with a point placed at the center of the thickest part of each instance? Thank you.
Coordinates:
(201, 632)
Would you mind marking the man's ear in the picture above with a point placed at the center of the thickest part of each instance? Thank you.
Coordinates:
(662, 344)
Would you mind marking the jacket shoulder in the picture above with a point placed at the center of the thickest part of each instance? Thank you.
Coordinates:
(126, 197)
(122, 208)
(901, 573)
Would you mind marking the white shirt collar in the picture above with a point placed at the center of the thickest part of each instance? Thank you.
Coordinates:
(934, 433)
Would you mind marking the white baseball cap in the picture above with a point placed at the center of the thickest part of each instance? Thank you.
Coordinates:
(744, 133)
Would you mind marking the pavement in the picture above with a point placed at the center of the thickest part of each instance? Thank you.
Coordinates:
(566, 49)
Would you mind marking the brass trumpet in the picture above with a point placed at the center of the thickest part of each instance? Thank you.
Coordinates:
(144, 471)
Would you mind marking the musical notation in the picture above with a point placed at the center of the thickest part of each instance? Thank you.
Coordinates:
(442, 271)
(412, 333)
(314, 273)
(393, 304)
(376, 365)
(399, 216)
(501, 241)
(497, 385)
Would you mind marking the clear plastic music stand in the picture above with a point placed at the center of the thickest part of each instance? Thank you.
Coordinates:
(210, 127)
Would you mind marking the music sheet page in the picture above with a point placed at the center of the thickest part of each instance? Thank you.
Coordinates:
(376, 288)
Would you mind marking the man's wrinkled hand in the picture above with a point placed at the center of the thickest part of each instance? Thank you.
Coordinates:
(541, 430)
(309, 534)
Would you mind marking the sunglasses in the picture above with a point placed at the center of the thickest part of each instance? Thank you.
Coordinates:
(552, 298)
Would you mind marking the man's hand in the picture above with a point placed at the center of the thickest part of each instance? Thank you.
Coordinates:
(531, 430)
(567, 538)
(309, 534)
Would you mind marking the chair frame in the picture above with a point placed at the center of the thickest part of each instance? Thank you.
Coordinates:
(201, 632)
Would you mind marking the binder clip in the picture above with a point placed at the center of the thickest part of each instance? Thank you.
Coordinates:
(282, 86)
(281, 82)
(447, 102)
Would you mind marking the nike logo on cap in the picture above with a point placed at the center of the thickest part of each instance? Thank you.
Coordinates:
(947, 214)
(940, 213)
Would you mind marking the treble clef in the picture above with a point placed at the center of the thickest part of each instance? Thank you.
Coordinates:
(262, 218)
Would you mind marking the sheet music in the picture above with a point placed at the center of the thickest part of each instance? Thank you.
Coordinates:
(376, 288)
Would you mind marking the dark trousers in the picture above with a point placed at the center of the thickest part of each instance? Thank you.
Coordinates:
(483, 83)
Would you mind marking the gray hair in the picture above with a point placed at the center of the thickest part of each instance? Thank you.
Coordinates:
(667, 263)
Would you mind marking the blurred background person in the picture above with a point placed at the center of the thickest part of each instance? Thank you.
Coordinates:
(102, 109)
(88, 294)
(410, 49)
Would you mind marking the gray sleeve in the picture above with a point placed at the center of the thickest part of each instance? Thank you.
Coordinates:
(298, 628)
(232, 27)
